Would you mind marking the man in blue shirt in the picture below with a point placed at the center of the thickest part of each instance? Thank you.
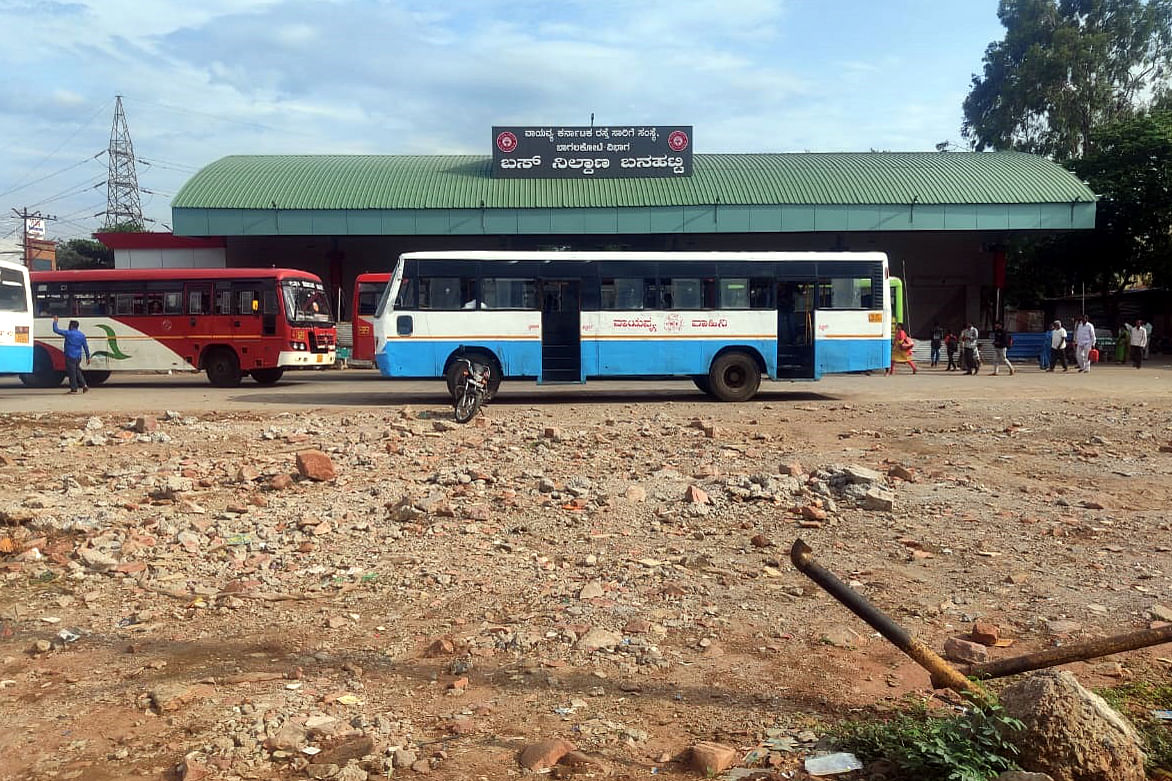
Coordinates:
(75, 345)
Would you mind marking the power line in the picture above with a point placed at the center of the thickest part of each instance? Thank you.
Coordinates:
(258, 125)
(77, 189)
(85, 123)
(50, 176)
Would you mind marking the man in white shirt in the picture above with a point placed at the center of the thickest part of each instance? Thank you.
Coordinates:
(970, 359)
(1057, 346)
(1138, 337)
(1084, 341)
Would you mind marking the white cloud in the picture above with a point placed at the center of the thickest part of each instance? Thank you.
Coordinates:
(219, 77)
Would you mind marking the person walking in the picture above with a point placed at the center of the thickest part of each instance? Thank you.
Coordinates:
(1084, 342)
(901, 350)
(1002, 341)
(937, 340)
(950, 342)
(970, 357)
(1137, 335)
(75, 345)
(1058, 346)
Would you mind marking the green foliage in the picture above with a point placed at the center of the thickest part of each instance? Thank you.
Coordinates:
(974, 746)
(1130, 168)
(1136, 701)
(125, 227)
(1064, 69)
(84, 253)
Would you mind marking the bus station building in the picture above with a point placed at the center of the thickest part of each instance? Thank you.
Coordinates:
(943, 218)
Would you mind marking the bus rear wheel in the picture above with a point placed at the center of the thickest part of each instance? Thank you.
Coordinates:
(96, 376)
(452, 374)
(267, 376)
(43, 374)
(734, 377)
(223, 368)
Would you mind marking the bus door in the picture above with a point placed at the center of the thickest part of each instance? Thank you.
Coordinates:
(795, 330)
(248, 326)
(561, 330)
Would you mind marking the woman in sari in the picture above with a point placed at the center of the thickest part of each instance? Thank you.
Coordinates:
(901, 350)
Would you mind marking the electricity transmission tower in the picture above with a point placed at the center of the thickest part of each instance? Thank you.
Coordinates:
(122, 204)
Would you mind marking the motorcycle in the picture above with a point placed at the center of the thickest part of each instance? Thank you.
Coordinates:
(471, 387)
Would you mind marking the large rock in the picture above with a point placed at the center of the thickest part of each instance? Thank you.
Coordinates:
(712, 758)
(597, 639)
(861, 474)
(315, 465)
(547, 753)
(1071, 733)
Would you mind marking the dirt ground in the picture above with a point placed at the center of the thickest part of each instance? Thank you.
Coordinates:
(607, 564)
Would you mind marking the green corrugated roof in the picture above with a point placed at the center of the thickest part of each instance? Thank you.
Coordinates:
(465, 181)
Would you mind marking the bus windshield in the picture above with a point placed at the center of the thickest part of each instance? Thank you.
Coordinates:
(306, 302)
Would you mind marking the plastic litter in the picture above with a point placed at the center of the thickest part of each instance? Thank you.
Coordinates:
(69, 635)
(1162, 715)
(832, 764)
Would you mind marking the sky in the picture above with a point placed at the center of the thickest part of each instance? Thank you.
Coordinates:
(202, 80)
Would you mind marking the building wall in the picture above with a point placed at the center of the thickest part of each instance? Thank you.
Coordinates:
(170, 258)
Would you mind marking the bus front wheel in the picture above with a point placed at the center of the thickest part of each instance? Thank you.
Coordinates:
(223, 368)
(734, 377)
(267, 376)
(43, 374)
(96, 376)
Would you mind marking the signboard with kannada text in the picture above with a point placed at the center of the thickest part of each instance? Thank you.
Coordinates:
(611, 152)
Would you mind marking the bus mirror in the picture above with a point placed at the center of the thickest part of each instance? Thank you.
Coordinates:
(404, 325)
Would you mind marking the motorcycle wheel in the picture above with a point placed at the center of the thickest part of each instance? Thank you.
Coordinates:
(467, 403)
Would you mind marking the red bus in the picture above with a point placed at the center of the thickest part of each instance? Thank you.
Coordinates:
(226, 321)
(368, 289)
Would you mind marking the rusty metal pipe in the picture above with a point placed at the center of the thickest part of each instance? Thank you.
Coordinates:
(1076, 652)
(944, 675)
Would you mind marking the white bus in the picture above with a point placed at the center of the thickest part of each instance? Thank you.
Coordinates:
(722, 319)
(16, 319)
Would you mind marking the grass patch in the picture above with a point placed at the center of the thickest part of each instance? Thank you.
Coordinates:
(1136, 701)
(974, 745)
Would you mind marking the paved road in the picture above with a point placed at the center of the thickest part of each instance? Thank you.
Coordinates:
(365, 389)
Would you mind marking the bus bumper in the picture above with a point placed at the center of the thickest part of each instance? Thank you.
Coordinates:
(301, 359)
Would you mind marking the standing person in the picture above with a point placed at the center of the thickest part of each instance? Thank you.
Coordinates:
(1044, 353)
(950, 342)
(1121, 340)
(901, 350)
(970, 357)
(937, 340)
(1002, 341)
(1148, 341)
(1084, 342)
(75, 345)
(1058, 346)
(1138, 337)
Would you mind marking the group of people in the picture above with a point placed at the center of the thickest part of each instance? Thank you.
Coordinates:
(963, 353)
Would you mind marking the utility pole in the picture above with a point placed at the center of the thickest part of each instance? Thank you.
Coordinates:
(122, 203)
(26, 218)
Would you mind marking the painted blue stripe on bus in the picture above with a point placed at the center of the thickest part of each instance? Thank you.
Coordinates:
(16, 358)
(629, 357)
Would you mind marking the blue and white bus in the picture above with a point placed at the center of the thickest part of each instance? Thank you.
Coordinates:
(16, 319)
(722, 319)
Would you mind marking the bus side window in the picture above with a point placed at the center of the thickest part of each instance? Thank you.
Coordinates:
(223, 302)
(49, 303)
(198, 302)
(683, 294)
(173, 302)
(406, 297)
(269, 302)
(651, 294)
(622, 294)
(247, 302)
(760, 293)
(734, 293)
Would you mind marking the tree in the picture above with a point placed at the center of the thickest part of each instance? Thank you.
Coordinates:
(84, 253)
(1066, 68)
(1130, 168)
